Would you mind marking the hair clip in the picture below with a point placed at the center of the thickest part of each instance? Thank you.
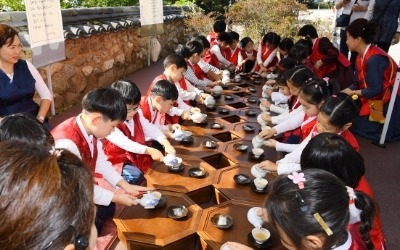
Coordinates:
(334, 96)
(326, 79)
(298, 178)
(56, 152)
(302, 204)
(352, 194)
(323, 224)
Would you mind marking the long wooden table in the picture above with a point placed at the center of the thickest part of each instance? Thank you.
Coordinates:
(216, 192)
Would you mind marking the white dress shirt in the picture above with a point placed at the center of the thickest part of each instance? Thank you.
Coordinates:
(103, 166)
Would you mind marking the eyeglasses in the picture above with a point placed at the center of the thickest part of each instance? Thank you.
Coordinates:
(133, 109)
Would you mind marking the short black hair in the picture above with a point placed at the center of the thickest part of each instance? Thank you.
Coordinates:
(308, 30)
(166, 89)
(272, 38)
(175, 59)
(183, 51)
(362, 28)
(203, 40)
(129, 91)
(194, 47)
(224, 37)
(106, 101)
(219, 26)
(245, 41)
(25, 128)
(286, 44)
(234, 35)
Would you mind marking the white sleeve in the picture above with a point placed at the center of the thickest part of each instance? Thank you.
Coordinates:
(240, 59)
(285, 147)
(192, 88)
(191, 77)
(206, 67)
(101, 196)
(40, 86)
(259, 53)
(291, 123)
(184, 94)
(291, 161)
(277, 109)
(217, 52)
(182, 106)
(122, 141)
(370, 10)
(282, 117)
(270, 57)
(150, 130)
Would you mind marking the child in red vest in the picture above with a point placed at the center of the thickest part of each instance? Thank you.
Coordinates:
(214, 55)
(331, 152)
(127, 143)
(327, 59)
(103, 110)
(219, 26)
(232, 52)
(247, 56)
(266, 53)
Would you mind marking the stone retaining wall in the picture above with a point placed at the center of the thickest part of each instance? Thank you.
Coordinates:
(97, 59)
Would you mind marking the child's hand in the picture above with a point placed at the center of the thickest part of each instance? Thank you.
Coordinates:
(271, 82)
(125, 199)
(266, 117)
(174, 126)
(271, 143)
(237, 246)
(265, 103)
(155, 154)
(135, 190)
(269, 92)
(195, 110)
(268, 165)
(267, 133)
(199, 99)
(168, 147)
(185, 115)
(215, 83)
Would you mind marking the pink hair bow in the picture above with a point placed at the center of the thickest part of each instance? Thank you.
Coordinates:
(297, 178)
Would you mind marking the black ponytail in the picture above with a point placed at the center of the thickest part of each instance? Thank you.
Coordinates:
(368, 212)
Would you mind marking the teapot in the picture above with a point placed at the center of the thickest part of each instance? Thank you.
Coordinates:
(257, 142)
(149, 200)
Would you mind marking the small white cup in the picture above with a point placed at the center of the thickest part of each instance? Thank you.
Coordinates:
(260, 235)
(257, 152)
(260, 183)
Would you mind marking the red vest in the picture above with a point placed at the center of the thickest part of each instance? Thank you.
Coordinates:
(244, 55)
(293, 104)
(326, 68)
(199, 72)
(232, 57)
(211, 58)
(169, 119)
(265, 53)
(376, 234)
(307, 126)
(146, 110)
(389, 77)
(69, 129)
(213, 36)
(117, 155)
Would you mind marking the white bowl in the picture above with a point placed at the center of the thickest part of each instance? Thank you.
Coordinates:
(258, 172)
(260, 183)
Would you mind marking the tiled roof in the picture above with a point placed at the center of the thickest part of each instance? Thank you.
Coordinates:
(83, 22)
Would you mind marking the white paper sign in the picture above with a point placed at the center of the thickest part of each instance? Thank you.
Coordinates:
(151, 12)
(44, 22)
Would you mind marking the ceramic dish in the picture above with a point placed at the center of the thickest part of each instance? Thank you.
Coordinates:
(222, 221)
(242, 179)
(209, 144)
(248, 128)
(260, 191)
(225, 247)
(251, 100)
(197, 172)
(217, 126)
(254, 218)
(257, 82)
(161, 202)
(251, 89)
(177, 212)
(176, 169)
(228, 97)
(240, 147)
(187, 140)
(223, 111)
(236, 88)
(257, 172)
(253, 157)
(256, 245)
(251, 113)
